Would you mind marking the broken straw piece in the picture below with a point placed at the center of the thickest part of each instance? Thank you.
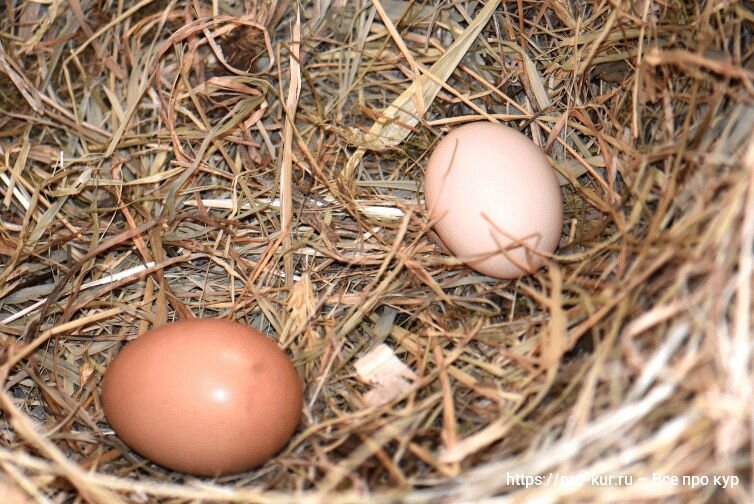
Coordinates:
(387, 374)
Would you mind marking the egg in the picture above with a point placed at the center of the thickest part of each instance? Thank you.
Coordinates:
(11, 494)
(493, 199)
(207, 397)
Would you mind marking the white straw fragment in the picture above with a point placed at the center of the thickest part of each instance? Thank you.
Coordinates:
(94, 283)
(16, 191)
(382, 212)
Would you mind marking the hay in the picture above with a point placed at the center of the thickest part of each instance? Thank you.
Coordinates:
(170, 159)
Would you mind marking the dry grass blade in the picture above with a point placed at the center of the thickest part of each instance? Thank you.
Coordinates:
(29, 92)
(397, 120)
(23, 426)
(286, 166)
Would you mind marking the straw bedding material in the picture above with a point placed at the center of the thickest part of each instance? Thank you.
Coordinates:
(262, 161)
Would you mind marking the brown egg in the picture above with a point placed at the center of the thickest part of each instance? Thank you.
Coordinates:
(205, 396)
(11, 494)
(494, 199)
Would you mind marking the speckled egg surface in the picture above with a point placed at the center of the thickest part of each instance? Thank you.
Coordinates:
(494, 200)
(204, 396)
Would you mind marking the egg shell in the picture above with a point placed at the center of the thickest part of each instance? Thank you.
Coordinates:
(205, 396)
(11, 494)
(494, 199)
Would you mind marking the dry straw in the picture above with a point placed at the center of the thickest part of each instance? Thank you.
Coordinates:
(262, 161)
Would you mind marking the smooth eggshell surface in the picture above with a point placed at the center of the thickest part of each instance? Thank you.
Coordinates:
(204, 396)
(494, 199)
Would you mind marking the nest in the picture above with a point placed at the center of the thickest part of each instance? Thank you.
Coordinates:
(263, 162)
